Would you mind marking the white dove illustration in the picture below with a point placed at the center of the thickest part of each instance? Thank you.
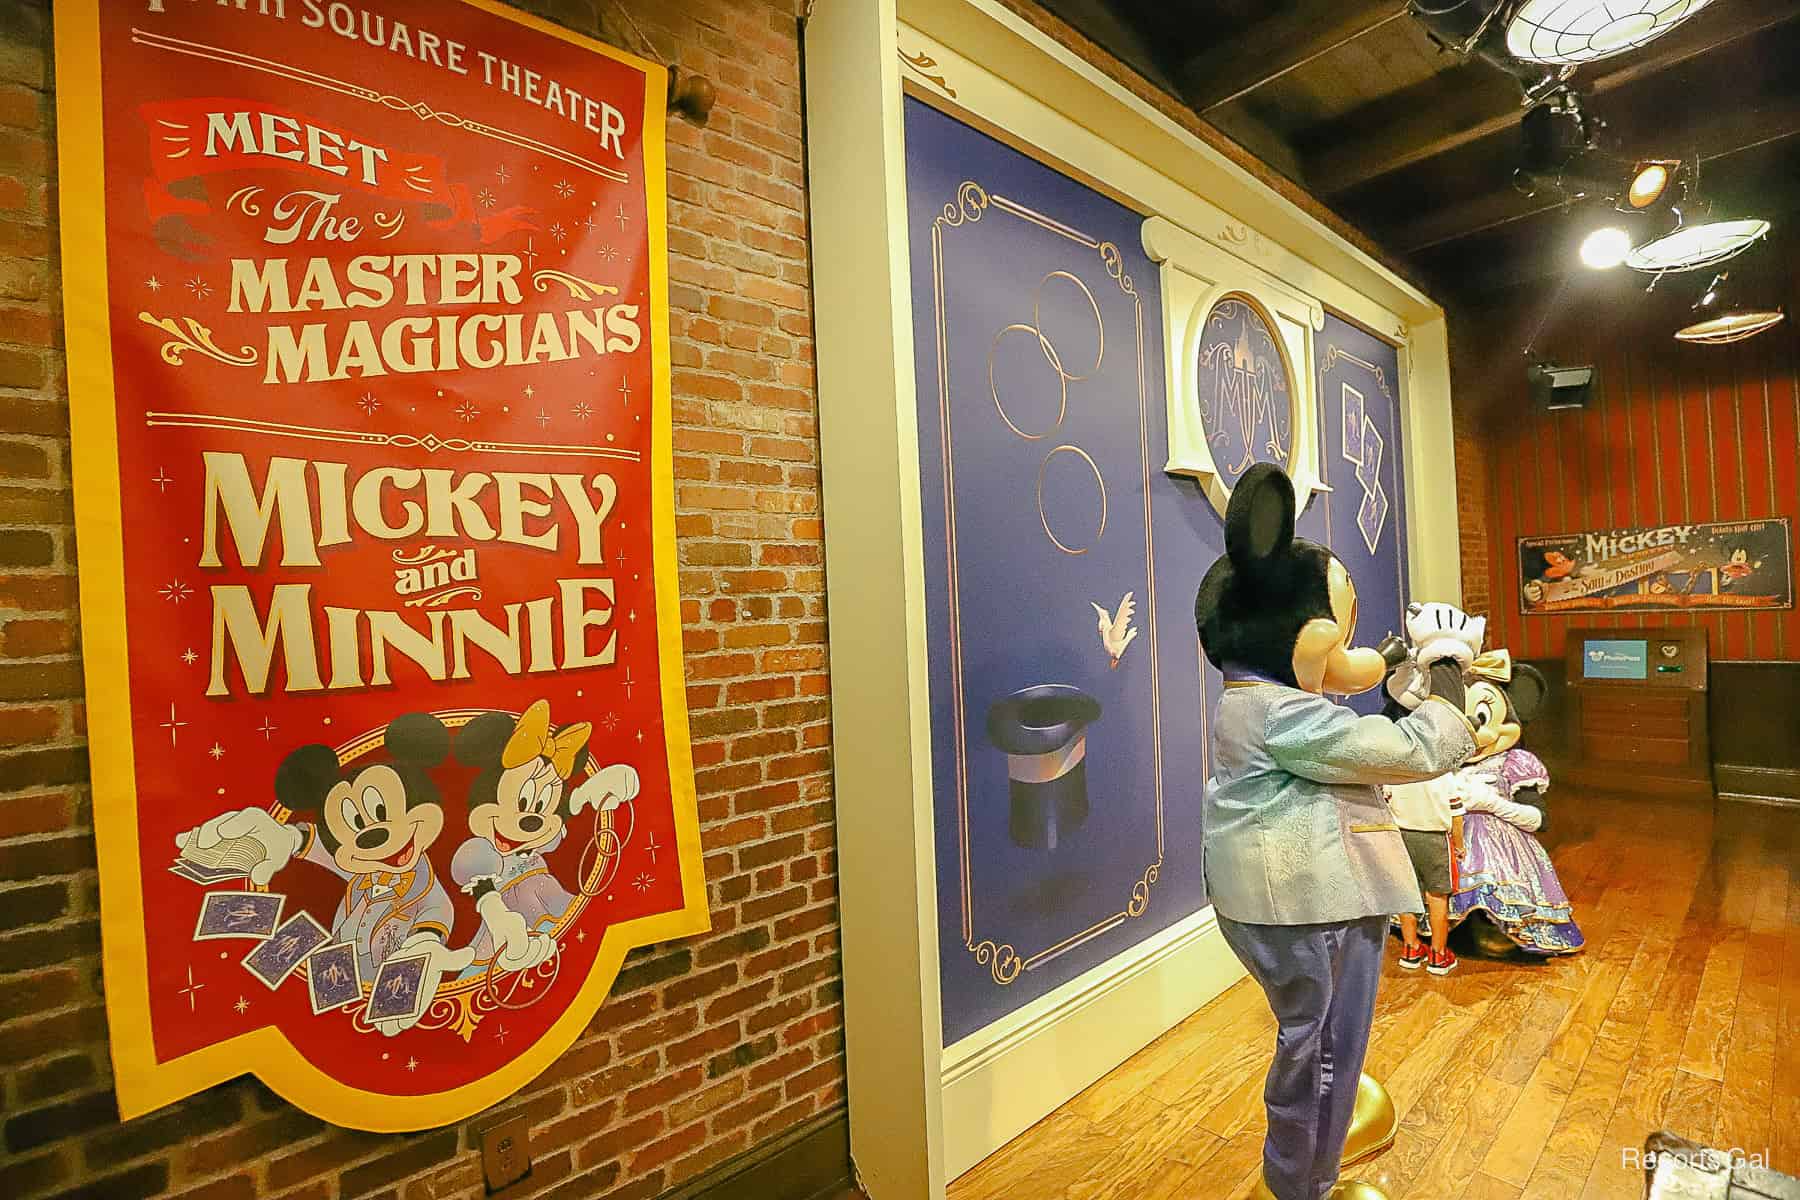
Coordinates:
(1116, 632)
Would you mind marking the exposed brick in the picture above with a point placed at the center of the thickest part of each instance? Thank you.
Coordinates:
(138, 1183)
(397, 1165)
(30, 1176)
(660, 1091)
(36, 1127)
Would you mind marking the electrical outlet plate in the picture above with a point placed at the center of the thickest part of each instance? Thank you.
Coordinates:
(506, 1153)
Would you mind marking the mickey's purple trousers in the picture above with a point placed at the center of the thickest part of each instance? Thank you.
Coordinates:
(1320, 982)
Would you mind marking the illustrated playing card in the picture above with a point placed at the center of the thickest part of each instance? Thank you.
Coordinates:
(1371, 517)
(238, 915)
(275, 959)
(204, 875)
(230, 858)
(399, 989)
(333, 978)
(1353, 423)
(1368, 469)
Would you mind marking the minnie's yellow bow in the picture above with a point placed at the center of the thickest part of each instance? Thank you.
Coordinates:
(1494, 666)
(531, 738)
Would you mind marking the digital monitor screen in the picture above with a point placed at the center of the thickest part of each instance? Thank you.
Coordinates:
(1603, 658)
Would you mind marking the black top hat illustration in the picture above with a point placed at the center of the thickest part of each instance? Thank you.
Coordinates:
(1043, 732)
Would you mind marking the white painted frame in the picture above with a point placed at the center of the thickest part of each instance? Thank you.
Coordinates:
(922, 1113)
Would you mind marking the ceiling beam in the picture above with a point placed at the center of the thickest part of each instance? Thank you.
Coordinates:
(1472, 101)
(1731, 131)
(1237, 65)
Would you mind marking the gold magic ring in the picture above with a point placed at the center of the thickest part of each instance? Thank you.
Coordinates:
(1044, 517)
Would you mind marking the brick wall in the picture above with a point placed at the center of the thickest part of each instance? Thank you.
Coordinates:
(707, 1047)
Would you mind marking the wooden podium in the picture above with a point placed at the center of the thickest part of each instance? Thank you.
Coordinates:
(1637, 710)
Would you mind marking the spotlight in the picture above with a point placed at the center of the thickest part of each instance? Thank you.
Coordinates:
(1655, 186)
(1721, 321)
(1691, 247)
(1578, 31)
(1605, 248)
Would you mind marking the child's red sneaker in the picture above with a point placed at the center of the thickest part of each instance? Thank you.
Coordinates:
(1442, 962)
(1413, 957)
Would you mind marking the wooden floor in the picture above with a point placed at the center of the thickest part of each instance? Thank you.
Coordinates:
(1514, 1081)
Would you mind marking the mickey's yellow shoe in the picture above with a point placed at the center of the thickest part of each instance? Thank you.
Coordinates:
(1354, 1189)
(1373, 1126)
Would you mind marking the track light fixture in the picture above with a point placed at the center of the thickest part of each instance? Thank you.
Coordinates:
(1721, 320)
(1579, 31)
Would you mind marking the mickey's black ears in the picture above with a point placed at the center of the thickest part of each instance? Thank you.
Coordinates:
(418, 738)
(1527, 692)
(305, 776)
(1259, 521)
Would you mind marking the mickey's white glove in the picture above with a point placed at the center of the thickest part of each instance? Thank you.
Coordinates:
(1444, 631)
(516, 948)
(441, 961)
(605, 789)
(280, 843)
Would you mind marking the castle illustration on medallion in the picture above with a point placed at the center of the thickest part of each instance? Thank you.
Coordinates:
(1246, 391)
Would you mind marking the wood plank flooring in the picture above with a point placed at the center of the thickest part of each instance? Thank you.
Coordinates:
(1514, 1080)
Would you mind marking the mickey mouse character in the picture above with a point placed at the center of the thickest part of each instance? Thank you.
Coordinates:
(519, 809)
(1303, 862)
(371, 828)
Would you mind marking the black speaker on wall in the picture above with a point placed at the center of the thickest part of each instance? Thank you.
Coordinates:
(1560, 387)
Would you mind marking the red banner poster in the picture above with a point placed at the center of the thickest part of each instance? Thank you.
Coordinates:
(368, 351)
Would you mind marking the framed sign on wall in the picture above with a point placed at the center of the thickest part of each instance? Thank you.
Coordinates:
(368, 344)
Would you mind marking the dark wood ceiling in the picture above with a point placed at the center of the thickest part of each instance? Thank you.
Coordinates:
(1416, 146)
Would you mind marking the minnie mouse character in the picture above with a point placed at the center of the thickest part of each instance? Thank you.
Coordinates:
(1505, 874)
(1303, 861)
(371, 828)
(519, 809)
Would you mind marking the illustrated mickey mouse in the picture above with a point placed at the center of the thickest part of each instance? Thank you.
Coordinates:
(519, 809)
(371, 828)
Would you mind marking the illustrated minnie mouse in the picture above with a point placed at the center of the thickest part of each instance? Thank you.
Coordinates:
(519, 809)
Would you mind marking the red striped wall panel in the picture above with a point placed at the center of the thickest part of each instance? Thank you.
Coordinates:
(1677, 433)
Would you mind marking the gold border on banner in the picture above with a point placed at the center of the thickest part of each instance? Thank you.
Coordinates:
(142, 1082)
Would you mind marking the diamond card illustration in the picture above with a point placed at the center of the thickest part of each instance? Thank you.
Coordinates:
(275, 959)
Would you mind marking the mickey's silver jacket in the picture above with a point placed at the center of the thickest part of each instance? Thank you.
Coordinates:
(1296, 829)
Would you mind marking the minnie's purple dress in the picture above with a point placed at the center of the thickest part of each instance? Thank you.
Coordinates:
(1505, 873)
